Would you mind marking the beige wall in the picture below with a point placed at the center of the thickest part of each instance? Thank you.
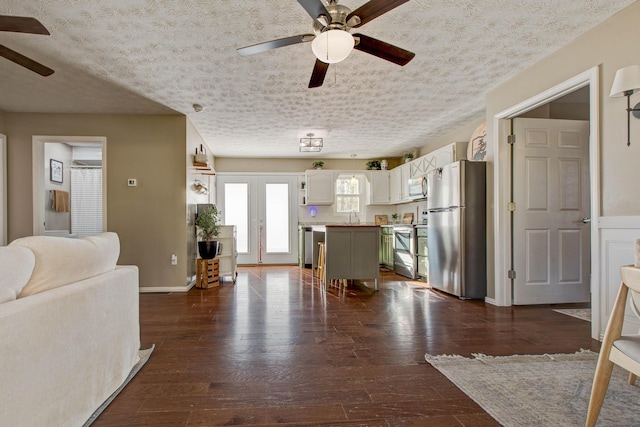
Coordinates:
(149, 218)
(612, 45)
(460, 134)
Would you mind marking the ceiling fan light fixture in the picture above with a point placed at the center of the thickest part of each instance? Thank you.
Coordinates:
(332, 46)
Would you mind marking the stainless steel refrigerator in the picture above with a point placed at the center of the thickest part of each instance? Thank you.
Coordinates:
(456, 203)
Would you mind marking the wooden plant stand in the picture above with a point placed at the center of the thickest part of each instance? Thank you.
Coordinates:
(207, 273)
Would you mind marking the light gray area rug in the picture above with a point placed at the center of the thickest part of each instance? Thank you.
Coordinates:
(144, 356)
(579, 313)
(546, 390)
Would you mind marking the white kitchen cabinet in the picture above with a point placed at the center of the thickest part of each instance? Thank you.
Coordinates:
(399, 183)
(405, 173)
(319, 186)
(395, 185)
(444, 156)
(420, 166)
(380, 187)
(228, 255)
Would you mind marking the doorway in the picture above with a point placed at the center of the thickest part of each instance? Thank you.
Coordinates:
(264, 210)
(69, 186)
(502, 192)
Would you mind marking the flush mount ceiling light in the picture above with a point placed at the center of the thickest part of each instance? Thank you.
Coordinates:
(332, 46)
(626, 83)
(310, 143)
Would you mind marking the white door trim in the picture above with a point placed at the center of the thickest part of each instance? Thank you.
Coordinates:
(591, 77)
(37, 167)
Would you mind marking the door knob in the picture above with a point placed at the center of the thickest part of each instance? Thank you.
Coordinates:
(586, 220)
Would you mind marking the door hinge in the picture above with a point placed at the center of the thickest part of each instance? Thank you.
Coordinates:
(511, 206)
(511, 274)
(511, 139)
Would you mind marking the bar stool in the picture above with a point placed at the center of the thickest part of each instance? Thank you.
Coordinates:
(321, 272)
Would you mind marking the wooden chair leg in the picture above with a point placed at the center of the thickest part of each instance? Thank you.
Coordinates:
(600, 385)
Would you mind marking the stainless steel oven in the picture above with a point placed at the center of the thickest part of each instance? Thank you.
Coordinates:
(422, 257)
(404, 250)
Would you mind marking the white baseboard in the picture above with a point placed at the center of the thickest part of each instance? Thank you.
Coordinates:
(165, 289)
(491, 301)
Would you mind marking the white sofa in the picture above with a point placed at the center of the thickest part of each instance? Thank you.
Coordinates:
(69, 328)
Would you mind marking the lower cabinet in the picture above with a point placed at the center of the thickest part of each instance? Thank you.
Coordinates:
(386, 247)
(352, 253)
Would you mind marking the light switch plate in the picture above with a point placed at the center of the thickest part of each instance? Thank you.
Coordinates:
(132, 182)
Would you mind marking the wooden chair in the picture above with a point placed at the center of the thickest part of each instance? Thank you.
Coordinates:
(622, 350)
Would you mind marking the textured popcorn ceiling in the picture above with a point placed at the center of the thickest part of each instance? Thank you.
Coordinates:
(162, 56)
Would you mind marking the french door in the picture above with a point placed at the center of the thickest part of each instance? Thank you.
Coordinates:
(264, 210)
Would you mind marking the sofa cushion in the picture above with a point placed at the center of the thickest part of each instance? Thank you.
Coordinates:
(16, 266)
(60, 260)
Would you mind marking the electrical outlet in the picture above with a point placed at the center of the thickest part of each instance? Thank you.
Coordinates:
(174, 259)
(132, 182)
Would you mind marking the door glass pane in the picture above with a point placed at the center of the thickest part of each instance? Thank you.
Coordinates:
(277, 218)
(236, 205)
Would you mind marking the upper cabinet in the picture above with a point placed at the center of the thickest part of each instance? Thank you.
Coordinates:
(398, 183)
(319, 186)
(379, 191)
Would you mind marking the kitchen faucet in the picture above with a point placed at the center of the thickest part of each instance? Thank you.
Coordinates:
(357, 220)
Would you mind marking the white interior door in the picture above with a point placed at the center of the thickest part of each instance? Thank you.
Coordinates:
(264, 210)
(551, 234)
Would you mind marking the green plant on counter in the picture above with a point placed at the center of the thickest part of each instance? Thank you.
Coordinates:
(373, 165)
(317, 165)
(394, 217)
(407, 156)
(207, 223)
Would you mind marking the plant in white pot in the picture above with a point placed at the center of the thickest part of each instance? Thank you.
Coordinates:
(207, 228)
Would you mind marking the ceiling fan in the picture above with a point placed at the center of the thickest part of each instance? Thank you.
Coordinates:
(332, 40)
(20, 24)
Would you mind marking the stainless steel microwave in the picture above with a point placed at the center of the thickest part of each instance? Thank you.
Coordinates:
(417, 188)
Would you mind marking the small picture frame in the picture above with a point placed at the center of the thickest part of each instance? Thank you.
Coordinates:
(55, 168)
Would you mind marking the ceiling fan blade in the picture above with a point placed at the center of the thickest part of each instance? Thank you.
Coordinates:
(383, 50)
(319, 72)
(371, 10)
(316, 9)
(273, 44)
(20, 59)
(20, 24)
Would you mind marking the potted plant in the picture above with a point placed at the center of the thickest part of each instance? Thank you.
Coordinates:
(394, 217)
(407, 157)
(207, 227)
(317, 165)
(373, 165)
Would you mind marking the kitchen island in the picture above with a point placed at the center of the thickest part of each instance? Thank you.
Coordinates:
(352, 251)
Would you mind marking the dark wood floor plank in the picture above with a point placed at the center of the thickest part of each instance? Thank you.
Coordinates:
(275, 349)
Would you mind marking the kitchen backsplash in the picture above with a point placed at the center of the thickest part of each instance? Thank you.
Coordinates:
(326, 215)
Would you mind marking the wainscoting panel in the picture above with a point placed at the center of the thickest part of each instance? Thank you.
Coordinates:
(617, 236)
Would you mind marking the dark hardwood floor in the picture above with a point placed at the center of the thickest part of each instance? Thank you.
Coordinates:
(274, 349)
